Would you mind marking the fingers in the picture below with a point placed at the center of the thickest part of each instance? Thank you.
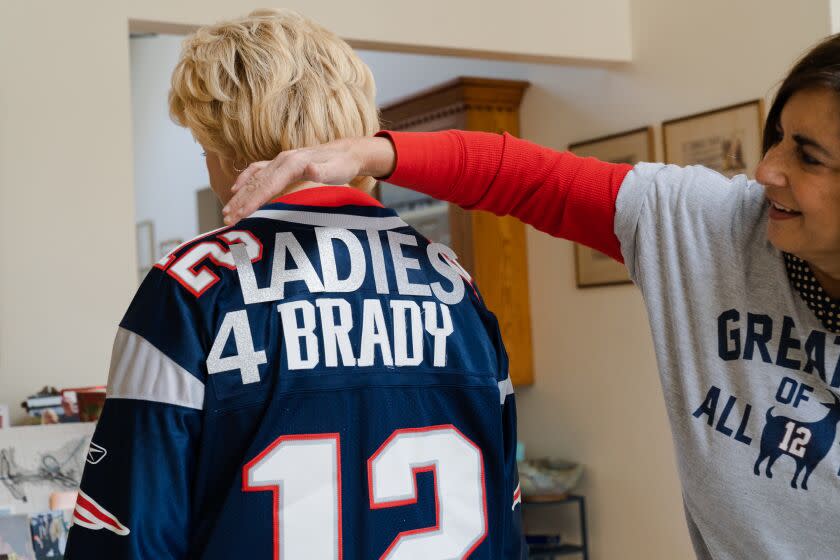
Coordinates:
(265, 181)
(249, 172)
(245, 200)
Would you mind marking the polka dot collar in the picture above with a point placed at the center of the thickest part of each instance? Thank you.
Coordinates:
(823, 305)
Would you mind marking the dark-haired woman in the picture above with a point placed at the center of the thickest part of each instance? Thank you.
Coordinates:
(741, 281)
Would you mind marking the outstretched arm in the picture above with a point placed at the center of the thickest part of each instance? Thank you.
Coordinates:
(556, 192)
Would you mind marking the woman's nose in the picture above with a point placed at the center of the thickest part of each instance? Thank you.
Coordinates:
(771, 170)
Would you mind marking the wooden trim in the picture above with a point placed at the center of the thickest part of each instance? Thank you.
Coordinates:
(166, 28)
(651, 144)
(578, 62)
(458, 95)
(411, 122)
(152, 26)
(463, 81)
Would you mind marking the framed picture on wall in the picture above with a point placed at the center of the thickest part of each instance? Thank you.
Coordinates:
(727, 140)
(145, 248)
(593, 268)
(16, 537)
(168, 246)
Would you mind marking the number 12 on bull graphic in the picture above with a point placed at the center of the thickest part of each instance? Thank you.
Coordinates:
(304, 474)
(806, 442)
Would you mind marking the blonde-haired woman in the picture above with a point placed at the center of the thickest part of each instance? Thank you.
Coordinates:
(319, 382)
(274, 81)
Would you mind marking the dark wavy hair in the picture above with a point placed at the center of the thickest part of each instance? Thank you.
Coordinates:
(820, 67)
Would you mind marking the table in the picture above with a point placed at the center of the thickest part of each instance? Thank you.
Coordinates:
(549, 552)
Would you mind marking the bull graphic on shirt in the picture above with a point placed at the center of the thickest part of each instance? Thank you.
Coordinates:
(807, 442)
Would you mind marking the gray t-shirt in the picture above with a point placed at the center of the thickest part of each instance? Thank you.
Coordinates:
(748, 373)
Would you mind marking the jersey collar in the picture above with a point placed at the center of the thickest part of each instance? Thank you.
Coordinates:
(329, 197)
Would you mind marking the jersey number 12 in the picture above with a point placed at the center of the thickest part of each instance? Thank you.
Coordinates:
(304, 474)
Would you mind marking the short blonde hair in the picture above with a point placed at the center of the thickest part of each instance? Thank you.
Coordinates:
(252, 87)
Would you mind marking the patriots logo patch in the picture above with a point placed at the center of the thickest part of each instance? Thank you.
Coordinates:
(517, 496)
(90, 515)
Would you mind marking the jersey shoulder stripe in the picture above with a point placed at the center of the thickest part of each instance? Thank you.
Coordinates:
(140, 371)
(332, 219)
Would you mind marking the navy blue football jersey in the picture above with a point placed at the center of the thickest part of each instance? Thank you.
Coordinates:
(318, 382)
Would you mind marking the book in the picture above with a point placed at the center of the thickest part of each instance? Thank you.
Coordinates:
(39, 411)
(44, 400)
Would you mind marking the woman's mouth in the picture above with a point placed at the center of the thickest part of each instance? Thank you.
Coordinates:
(779, 212)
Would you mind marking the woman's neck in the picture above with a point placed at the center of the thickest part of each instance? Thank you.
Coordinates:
(828, 279)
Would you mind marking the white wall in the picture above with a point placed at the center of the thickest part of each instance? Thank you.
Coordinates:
(557, 29)
(66, 211)
(168, 165)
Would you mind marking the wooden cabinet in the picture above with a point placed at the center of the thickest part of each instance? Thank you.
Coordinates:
(493, 249)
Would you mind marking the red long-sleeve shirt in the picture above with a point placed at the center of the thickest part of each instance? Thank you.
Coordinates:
(556, 192)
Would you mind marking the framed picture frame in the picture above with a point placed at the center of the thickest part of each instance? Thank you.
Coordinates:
(593, 268)
(727, 140)
(167, 246)
(145, 248)
(16, 536)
